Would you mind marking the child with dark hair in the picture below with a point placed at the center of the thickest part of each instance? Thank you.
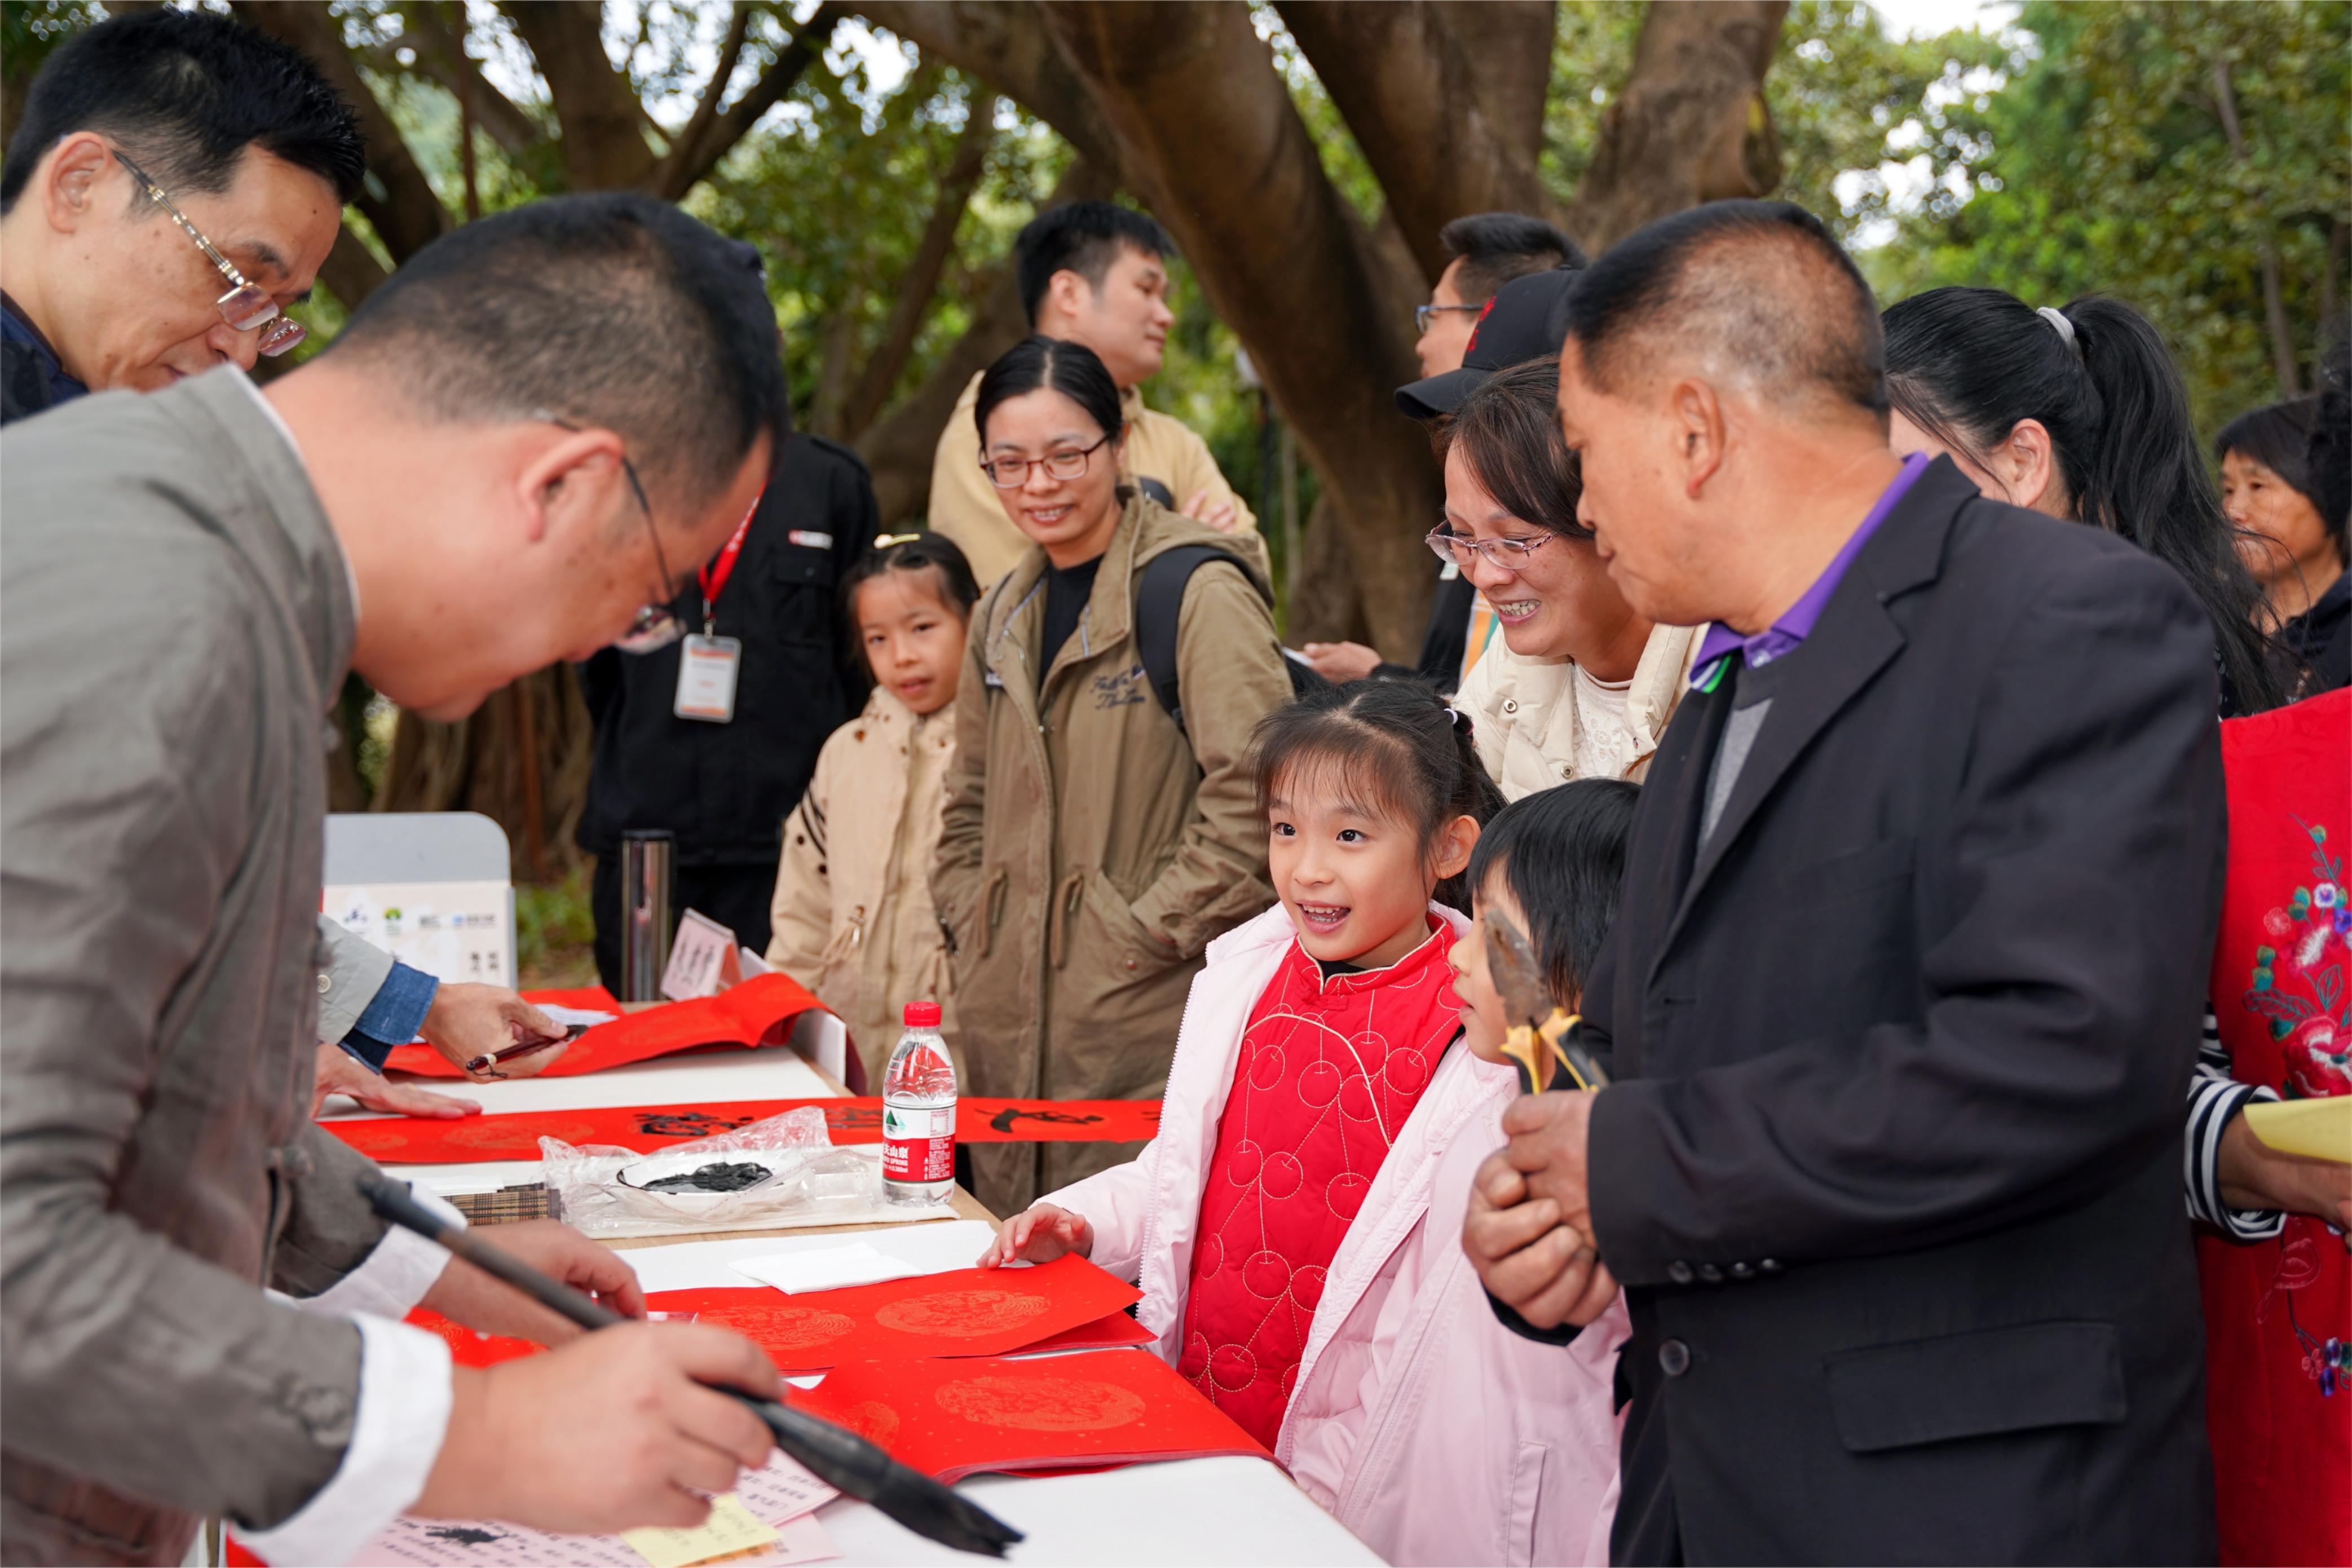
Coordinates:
(1294, 1264)
(852, 919)
(2274, 497)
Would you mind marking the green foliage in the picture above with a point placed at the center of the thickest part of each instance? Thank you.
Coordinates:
(555, 934)
(2105, 166)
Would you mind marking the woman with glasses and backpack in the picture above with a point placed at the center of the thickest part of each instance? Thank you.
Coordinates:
(1101, 826)
(1582, 686)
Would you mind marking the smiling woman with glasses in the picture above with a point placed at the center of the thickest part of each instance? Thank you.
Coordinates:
(1576, 684)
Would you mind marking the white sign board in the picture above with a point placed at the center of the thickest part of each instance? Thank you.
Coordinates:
(455, 931)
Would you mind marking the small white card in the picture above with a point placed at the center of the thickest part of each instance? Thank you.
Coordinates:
(707, 668)
(698, 958)
(825, 1269)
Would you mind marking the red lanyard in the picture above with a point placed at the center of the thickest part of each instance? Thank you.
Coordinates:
(715, 575)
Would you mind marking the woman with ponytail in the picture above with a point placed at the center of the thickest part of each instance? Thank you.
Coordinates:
(2079, 413)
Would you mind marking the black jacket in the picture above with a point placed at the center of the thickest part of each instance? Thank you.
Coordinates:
(724, 788)
(1891, 1172)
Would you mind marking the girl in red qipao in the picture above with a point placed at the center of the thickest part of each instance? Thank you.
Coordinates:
(1281, 1225)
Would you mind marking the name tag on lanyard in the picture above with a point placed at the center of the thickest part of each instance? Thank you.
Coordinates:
(707, 664)
(707, 668)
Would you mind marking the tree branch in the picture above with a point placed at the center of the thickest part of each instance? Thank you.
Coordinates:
(444, 58)
(698, 151)
(350, 271)
(1395, 69)
(605, 145)
(1690, 124)
(2282, 336)
(706, 107)
(397, 198)
(1009, 48)
(921, 280)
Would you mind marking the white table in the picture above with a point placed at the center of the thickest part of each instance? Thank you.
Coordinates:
(1222, 1510)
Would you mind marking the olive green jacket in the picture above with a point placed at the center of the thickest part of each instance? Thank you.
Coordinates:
(1091, 852)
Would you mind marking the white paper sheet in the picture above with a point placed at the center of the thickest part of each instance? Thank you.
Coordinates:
(825, 1267)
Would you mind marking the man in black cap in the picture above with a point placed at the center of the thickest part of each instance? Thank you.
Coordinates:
(1522, 320)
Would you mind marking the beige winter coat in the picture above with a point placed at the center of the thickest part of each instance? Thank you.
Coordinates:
(1523, 713)
(853, 917)
(1090, 853)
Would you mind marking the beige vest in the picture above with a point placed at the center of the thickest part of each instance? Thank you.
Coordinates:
(1523, 712)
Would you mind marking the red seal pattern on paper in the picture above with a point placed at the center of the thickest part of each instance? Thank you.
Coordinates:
(1041, 1403)
(783, 1328)
(961, 1314)
(872, 1420)
(495, 1133)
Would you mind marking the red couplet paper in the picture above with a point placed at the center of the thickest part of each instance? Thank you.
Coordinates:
(954, 1418)
(761, 1008)
(467, 1348)
(648, 1129)
(961, 1312)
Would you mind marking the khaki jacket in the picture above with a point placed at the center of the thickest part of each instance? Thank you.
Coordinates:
(1523, 712)
(964, 506)
(852, 919)
(1090, 851)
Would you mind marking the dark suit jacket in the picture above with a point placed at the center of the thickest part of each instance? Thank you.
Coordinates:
(1891, 1171)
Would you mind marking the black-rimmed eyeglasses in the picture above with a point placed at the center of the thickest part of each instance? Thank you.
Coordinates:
(247, 306)
(1011, 473)
(655, 625)
(1426, 315)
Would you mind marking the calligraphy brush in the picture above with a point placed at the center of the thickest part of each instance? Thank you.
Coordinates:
(833, 1454)
(1538, 1025)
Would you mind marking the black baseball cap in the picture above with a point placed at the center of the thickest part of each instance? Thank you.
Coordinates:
(1526, 319)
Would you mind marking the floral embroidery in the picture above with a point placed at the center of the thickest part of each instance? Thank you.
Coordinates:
(2297, 981)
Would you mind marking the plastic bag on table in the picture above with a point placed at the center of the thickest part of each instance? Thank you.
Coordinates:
(783, 1171)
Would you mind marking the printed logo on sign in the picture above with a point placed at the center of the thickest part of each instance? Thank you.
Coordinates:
(1120, 690)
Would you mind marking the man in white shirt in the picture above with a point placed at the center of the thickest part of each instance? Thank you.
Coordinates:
(538, 428)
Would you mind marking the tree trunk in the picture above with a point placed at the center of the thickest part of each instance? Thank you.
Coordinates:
(2282, 336)
(1690, 124)
(1479, 68)
(605, 125)
(519, 759)
(1284, 261)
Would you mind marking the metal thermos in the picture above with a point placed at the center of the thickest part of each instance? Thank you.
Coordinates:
(646, 925)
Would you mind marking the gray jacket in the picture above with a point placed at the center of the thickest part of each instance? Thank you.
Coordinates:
(174, 616)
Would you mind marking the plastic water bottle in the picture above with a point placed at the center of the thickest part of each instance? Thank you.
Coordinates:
(919, 1112)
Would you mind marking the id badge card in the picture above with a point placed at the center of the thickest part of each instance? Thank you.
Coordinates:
(707, 668)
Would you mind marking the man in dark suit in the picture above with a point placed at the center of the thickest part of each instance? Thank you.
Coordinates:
(1906, 981)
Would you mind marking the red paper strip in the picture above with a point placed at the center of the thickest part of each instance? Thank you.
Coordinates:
(1112, 1331)
(961, 1312)
(761, 1008)
(954, 1419)
(650, 1128)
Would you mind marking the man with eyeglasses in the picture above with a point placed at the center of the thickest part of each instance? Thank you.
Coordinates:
(174, 186)
(539, 426)
(1488, 251)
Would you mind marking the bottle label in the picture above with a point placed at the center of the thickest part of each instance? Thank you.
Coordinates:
(918, 1143)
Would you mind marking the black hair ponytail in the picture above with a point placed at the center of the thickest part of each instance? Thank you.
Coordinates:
(1967, 364)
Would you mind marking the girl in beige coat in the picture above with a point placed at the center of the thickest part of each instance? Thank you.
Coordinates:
(852, 919)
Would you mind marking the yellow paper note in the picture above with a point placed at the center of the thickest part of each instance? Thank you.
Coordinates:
(2318, 1129)
(730, 1528)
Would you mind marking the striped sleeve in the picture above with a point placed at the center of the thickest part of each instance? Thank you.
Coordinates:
(2214, 1097)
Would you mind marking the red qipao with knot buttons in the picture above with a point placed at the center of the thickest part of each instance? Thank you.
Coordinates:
(1329, 1071)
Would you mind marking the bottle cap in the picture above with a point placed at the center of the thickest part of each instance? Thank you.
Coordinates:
(922, 1015)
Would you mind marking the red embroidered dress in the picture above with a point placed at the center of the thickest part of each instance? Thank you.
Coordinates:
(1328, 1073)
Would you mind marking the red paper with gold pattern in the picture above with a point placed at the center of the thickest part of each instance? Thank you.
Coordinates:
(759, 1010)
(467, 1348)
(961, 1312)
(955, 1418)
(648, 1129)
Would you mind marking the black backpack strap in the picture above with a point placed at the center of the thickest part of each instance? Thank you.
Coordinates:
(1158, 605)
